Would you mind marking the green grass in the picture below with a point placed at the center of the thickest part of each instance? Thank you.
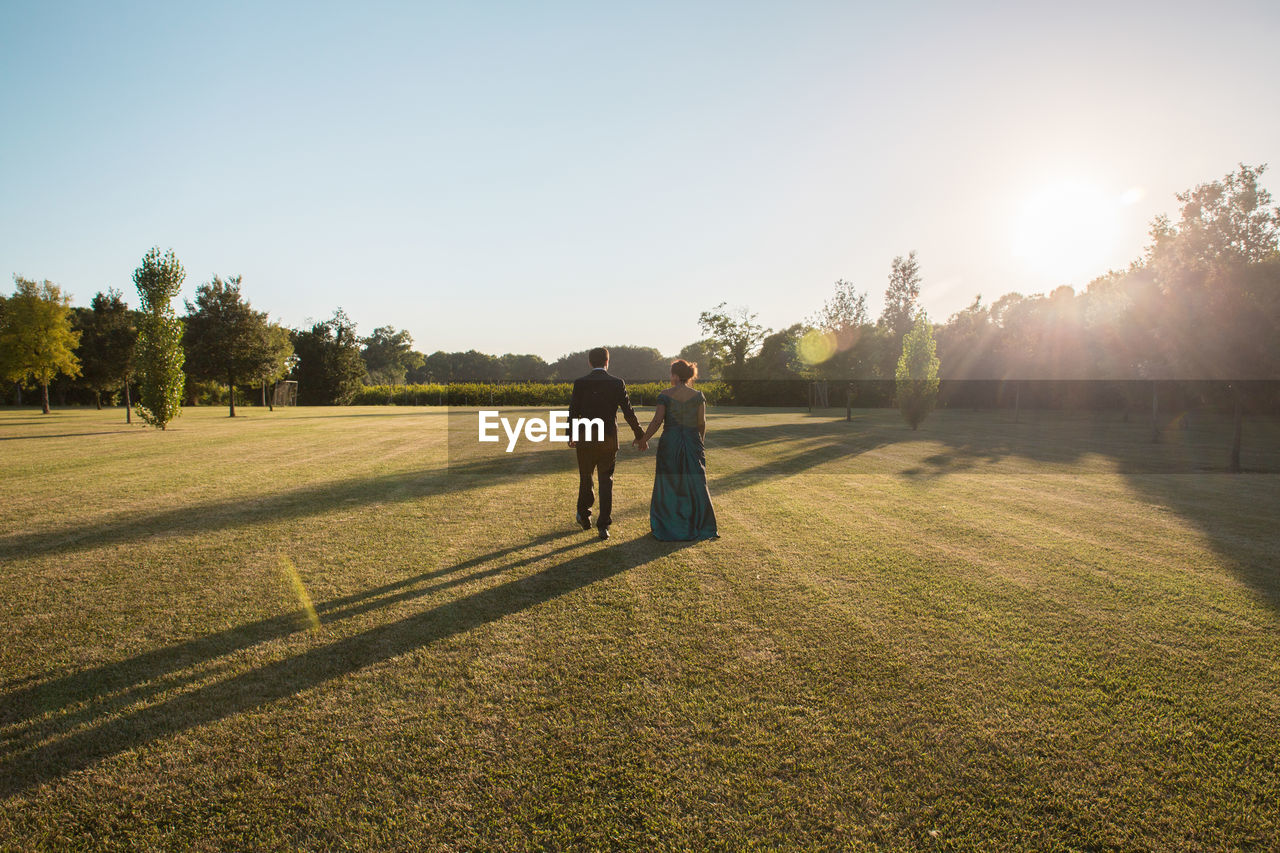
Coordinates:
(982, 635)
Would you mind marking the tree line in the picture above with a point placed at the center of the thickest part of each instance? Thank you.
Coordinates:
(1203, 302)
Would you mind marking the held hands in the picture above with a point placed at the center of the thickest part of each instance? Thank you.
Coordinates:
(640, 444)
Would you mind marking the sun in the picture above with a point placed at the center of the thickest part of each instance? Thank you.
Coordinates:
(1067, 230)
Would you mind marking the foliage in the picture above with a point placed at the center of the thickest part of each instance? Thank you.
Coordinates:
(511, 394)
(277, 355)
(702, 353)
(846, 309)
(469, 366)
(388, 355)
(917, 374)
(329, 369)
(901, 297)
(638, 364)
(36, 338)
(226, 340)
(1227, 222)
(735, 336)
(108, 338)
(524, 368)
(159, 357)
(779, 356)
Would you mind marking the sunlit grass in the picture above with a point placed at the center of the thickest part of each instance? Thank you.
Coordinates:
(306, 629)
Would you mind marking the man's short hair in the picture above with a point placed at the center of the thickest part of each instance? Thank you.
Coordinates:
(598, 357)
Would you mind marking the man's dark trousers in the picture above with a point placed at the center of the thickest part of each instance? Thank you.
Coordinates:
(599, 457)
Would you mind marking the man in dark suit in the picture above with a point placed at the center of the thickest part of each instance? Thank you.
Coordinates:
(599, 395)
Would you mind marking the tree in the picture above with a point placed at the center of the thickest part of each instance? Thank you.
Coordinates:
(902, 295)
(36, 338)
(632, 363)
(277, 359)
(846, 309)
(735, 334)
(387, 355)
(779, 356)
(329, 370)
(225, 339)
(841, 341)
(525, 368)
(701, 353)
(1215, 269)
(1226, 222)
(159, 355)
(917, 374)
(107, 342)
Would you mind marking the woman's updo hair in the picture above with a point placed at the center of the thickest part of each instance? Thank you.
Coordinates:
(685, 371)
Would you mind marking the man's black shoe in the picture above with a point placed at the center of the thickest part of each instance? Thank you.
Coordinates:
(604, 532)
(582, 522)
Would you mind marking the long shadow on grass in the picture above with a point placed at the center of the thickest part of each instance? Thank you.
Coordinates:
(303, 502)
(742, 456)
(120, 684)
(62, 435)
(81, 742)
(1184, 472)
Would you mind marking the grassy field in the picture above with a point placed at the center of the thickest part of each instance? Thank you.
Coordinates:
(322, 628)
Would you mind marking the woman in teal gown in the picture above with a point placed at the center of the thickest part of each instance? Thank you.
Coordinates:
(681, 508)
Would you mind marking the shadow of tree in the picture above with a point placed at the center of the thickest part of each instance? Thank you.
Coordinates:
(64, 435)
(303, 502)
(79, 740)
(1185, 472)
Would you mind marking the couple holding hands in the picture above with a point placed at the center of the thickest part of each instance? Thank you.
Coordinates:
(681, 507)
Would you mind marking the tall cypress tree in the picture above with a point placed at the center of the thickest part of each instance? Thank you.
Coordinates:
(159, 354)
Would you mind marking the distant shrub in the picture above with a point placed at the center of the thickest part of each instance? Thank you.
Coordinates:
(510, 394)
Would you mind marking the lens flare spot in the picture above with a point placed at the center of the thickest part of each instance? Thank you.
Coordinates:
(816, 346)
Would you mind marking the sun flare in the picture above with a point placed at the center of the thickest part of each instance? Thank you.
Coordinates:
(1068, 230)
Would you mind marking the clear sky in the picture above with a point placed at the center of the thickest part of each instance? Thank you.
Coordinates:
(523, 177)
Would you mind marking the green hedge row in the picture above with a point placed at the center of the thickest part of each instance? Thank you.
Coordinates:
(513, 394)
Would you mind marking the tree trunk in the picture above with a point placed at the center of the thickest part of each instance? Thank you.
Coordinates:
(1155, 413)
(44, 396)
(1237, 434)
(128, 404)
(17, 393)
(264, 392)
(231, 393)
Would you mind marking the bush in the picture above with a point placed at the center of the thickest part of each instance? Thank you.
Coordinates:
(510, 394)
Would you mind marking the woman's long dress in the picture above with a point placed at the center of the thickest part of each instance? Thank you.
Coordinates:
(681, 507)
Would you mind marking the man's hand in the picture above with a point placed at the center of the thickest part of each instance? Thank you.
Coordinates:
(640, 444)
(573, 444)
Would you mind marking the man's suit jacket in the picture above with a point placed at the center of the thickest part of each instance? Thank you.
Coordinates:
(599, 395)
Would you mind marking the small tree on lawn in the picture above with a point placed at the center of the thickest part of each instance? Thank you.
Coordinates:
(159, 355)
(36, 338)
(917, 373)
